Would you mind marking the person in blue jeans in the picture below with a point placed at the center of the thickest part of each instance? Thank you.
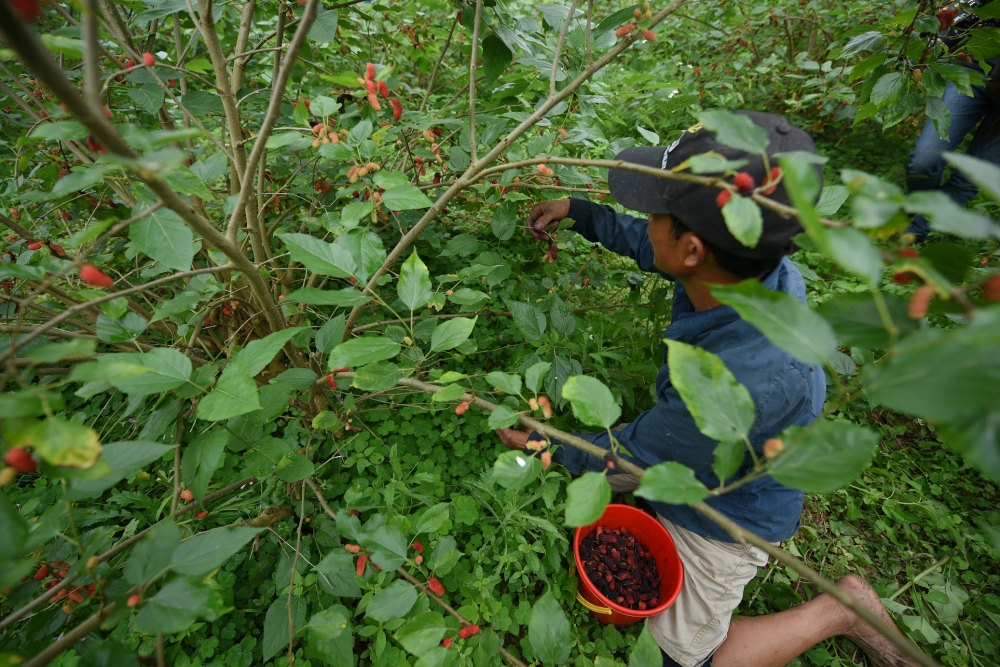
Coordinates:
(979, 112)
(686, 240)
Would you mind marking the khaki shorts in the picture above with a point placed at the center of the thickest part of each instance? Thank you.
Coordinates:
(715, 574)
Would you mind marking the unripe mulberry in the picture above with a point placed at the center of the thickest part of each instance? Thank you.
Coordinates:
(134, 600)
(43, 572)
(649, 35)
(187, 495)
(919, 302)
(772, 447)
(383, 89)
(624, 30)
(544, 170)
(723, 197)
(370, 87)
(202, 514)
(773, 178)
(148, 59)
(397, 109)
(436, 587)
(546, 458)
(352, 548)
(546, 407)
(94, 276)
(373, 101)
(360, 569)
(744, 183)
(36, 245)
(461, 408)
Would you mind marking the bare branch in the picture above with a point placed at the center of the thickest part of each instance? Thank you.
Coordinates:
(444, 50)
(559, 47)
(473, 62)
(91, 57)
(270, 118)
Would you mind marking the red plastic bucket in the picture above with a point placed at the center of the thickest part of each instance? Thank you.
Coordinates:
(657, 540)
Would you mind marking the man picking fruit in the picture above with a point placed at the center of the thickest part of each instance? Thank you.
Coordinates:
(685, 238)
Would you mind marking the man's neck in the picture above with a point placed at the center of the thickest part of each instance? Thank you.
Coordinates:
(699, 287)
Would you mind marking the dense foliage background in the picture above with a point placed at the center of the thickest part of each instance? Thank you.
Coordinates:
(210, 379)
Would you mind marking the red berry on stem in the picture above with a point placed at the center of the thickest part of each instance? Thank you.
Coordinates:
(546, 458)
(36, 245)
(202, 514)
(94, 276)
(724, 196)
(919, 302)
(134, 600)
(946, 17)
(991, 289)
(352, 548)
(28, 9)
(418, 547)
(909, 253)
(187, 495)
(649, 35)
(446, 642)
(744, 183)
(148, 59)
(331, 382)
(436, 587)
(461, 408)
(370, 71)
(43, 572)
(383, 89)
(397, 109)
(20, 460)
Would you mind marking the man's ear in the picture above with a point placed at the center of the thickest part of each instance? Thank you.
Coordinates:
(695, 253)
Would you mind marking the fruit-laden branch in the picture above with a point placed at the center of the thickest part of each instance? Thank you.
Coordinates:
(470, 175)
(14, 616)
(80, 307)
(416, 582)
(738, 533)
(709, 181)
(29, 48)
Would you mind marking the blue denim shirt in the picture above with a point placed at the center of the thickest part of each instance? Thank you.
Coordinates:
(785, 392)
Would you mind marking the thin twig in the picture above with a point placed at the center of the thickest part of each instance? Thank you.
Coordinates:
(559, 47)
(444, 50)
(473, 63)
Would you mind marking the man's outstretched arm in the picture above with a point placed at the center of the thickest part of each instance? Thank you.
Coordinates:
(621, 234)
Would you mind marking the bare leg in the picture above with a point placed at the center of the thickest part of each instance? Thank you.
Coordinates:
(776, 639)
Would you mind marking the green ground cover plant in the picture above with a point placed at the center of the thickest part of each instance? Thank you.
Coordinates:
(268, 290)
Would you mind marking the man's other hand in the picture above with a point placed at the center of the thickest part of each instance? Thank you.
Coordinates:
(513, 438)
(546, 215)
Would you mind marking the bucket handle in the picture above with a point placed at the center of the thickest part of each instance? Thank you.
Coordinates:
(606, 611)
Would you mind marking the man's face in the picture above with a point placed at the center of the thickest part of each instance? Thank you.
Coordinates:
(667, 250)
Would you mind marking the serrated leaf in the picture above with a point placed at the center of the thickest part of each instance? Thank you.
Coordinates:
(414, 285)
(502, 417)
(592, 401)
(514, 470)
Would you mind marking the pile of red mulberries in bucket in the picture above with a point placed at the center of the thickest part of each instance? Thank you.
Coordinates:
(621, 568)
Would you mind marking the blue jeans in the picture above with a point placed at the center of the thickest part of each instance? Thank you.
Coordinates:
(926, 166)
